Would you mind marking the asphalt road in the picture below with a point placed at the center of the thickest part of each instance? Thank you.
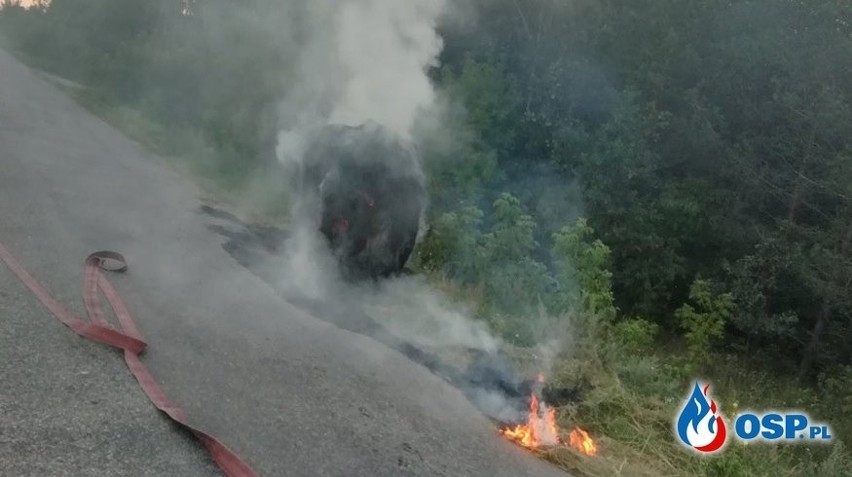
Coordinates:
(293, 395)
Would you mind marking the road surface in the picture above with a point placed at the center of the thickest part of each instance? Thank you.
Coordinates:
(293, 395)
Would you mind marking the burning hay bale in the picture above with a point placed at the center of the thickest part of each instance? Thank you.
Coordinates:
(365, 187)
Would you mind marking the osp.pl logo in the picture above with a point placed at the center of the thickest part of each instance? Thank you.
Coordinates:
(700, 427)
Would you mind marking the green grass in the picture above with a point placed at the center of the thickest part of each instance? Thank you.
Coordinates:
(629, 403)
(630, 392)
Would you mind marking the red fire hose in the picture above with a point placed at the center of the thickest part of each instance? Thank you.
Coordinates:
(127, 338)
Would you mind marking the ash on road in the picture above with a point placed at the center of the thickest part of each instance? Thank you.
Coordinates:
(291, 394)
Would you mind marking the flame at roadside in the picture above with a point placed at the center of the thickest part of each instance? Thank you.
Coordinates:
(541, 430)
(580, 440)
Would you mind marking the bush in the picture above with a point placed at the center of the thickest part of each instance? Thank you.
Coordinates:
(583, 271)
(452, 245)
(836, 398)
(635, 335)
(837, 464)
(704, 323)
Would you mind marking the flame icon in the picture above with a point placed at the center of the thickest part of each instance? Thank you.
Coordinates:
(698, 425)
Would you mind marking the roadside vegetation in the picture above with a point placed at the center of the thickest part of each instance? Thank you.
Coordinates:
(671, 179)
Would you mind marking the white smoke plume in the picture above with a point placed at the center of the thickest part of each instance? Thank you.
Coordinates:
(410, 309)
(367, 61)
(361, 60)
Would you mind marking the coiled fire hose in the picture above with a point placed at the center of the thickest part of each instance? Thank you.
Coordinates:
(126, 337)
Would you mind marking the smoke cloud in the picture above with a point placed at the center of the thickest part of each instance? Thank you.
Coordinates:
(361, 60)
(367, 62)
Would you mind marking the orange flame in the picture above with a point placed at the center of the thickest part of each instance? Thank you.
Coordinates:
(541, 430)
(580, 440)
